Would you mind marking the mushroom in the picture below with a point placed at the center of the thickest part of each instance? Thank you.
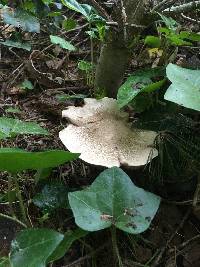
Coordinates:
(101, 133)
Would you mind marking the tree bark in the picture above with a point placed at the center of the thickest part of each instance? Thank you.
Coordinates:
(116, 51)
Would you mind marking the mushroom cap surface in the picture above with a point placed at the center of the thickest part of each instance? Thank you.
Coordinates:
(102, 135)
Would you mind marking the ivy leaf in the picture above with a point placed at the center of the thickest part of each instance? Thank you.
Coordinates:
(10, 127)
(113, 199)
(22, 19)
(32, 247)
(15, 160)
(62, 42)
(52, 196)
(185, 87)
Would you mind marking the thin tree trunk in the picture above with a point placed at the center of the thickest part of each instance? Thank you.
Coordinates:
(116, 51)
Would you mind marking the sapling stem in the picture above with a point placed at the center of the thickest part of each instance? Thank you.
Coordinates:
(115, 247)
(13, 219)
(21, 202)
(9, 195)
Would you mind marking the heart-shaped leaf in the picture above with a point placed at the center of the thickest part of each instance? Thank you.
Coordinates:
(10, 127)
(15, 160)
(113, 199)
(185, 87)
(21, 18)
(32, 247)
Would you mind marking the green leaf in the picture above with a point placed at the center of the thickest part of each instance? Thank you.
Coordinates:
(26, 84)
(52, 196)
(85, 65)
(84, 9)
(16, 44)
(176, 40)
(152, 41)
(113, 199)
(62, 42)
(21, 18)
(185, 87)
(68, 240)
(15, 160)
(190, 36)
(32, 247)
(169, 22)
(136, 84)
(130, 89)
(10, 127)
(69, 24)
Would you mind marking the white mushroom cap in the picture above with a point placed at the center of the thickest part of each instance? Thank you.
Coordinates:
(103, 137)
(94, 110)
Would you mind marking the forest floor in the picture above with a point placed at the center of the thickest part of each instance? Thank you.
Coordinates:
(174, 236)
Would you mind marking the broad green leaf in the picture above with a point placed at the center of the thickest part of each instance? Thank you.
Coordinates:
(21, 18)
(64, 97)
(185, 87)
(136, 84)
(26, 84)
(152, 41)
(62, 42)
(32, 247)
(52, 196)
(84, 9)
(68, 240)
(10, 127)
(15, 160)
(17, 44)
(113, 199)
(4, 262)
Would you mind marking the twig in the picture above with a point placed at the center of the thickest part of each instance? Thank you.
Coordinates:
(184, 7)
(160, 5)
(190, 19)
(13, 219)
